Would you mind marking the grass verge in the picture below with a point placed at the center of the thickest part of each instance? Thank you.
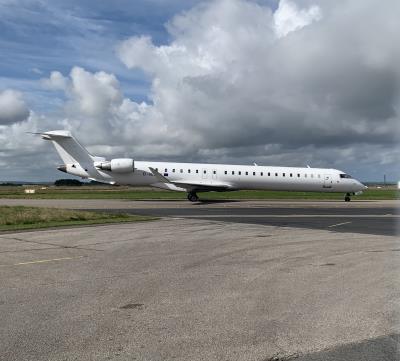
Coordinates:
(20, 218)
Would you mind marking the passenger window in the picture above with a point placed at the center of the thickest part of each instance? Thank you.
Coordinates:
(276, 174)
(181, 170)
(247, 173)
(269, 174)
(205, 172)
(214, 172)
(305, 175)
(226, 172)
(188, 170)
(166, 170)
(261, 174)
(291, 174)
(283, 174)
(197, 171)
(298, 175)
(254, 173)
(240, 173)
(233, 172)
(173, 170)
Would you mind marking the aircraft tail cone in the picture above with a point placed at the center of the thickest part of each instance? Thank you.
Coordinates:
(62, 168)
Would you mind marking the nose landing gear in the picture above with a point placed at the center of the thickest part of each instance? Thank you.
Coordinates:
(347, 197)
(192, 197)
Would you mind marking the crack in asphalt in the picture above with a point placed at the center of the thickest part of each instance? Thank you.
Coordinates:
(54, 246)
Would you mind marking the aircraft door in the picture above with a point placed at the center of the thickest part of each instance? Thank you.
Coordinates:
(214, 174)
(328, 182)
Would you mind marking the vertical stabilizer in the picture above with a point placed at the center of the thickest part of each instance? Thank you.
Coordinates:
(69, 149)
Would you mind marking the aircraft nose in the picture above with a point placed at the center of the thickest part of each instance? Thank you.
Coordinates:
(362, 186)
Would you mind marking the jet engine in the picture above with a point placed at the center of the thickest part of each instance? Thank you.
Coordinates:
(118, 165)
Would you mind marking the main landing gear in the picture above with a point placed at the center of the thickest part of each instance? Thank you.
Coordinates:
(347, 197)
(192, 196)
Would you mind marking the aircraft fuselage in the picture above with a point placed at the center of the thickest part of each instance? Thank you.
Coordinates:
(237, 176)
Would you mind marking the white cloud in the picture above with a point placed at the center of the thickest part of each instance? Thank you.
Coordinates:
(230, 76)
(56, 81)
(143, 49)
(12, 107)
(37, 71)
(95, 94)
(288, 17)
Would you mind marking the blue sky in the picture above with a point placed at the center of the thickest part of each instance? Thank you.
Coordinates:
(38, 37)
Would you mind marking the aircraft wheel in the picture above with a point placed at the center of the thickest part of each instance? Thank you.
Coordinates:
(192, 197)
(347, 198)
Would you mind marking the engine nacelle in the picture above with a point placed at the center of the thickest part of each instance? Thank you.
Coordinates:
(118, 165)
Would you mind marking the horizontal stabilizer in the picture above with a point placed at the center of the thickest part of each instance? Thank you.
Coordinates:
(69, 149)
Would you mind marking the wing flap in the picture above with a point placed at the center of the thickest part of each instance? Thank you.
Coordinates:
(219, 185)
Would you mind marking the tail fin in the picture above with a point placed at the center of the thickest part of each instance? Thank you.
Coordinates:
(69, 149)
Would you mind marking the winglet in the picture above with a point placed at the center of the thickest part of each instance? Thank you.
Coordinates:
(159, 176)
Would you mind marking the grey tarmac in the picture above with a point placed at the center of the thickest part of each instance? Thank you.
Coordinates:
(367, 217)
(187, 288)
(366, 220)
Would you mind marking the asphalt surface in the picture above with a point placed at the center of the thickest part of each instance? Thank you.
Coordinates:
(196, 286)
(365, 217)
(378, 221)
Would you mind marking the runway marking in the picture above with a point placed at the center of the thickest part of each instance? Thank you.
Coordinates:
(289, 216)
(338, 224)
(46, 260)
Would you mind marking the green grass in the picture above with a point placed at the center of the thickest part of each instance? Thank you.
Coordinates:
(146, 194)
(19, 217)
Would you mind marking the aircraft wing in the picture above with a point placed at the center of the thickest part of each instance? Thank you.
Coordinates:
(193, 185)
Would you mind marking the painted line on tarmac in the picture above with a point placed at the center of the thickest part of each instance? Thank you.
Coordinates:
(338, 224)
(286, 216)
(43, 261)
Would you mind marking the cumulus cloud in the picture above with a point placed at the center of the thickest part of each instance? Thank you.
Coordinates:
(231, 76)
(95, 104)
(56, 81)
(93, 95)
(13, 108)
(288, 17)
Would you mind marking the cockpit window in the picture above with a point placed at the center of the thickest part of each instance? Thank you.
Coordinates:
(345, 176)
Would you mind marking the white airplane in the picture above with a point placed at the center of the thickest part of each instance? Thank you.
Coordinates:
(196, 177)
